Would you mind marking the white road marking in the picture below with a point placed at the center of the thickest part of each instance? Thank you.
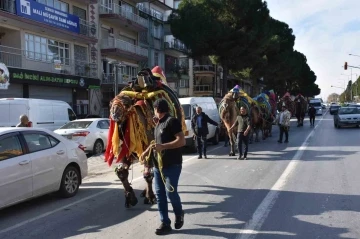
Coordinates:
(80, 201)
(251, 229)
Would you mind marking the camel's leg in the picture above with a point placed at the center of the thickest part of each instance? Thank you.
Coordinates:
(257, 134)
(122, 171)
(149, 195)
(232, 144)
(270, 130)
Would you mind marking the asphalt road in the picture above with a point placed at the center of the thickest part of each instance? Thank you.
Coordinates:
(308, 188)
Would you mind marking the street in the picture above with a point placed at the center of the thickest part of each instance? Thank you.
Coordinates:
(307, 188)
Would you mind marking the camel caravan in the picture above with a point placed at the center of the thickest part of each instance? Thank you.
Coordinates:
(262, 110)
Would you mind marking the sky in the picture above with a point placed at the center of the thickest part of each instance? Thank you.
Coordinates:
(326, 31)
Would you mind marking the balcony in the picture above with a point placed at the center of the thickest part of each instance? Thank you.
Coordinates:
(204, 70)
(123, 16)
(163, 4)
(117, 47)
(18, 58)
(150, 12)
(176, 48)
(109, 78)
(87, 31)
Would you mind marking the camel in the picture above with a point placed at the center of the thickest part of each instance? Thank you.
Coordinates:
(300, 109)
(290, 104)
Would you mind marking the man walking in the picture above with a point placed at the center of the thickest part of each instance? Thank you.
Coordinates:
(199, 126)
(312, 114)
(284, 124)
(169, 140)
(243, 124)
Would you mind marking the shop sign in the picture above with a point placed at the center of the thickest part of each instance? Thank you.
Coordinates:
(4, 77)
(48, 15)
(51, 79)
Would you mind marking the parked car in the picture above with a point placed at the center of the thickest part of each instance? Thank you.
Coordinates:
(90, 133)
(347, 116)
(35, 161)
(334, 108)
(209, 107)
(47, 114)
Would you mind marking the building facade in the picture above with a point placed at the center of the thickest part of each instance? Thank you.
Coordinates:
(47, 46)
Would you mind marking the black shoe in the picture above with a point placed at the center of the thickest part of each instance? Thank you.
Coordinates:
(239, 157)
(245, 158)
(279, 141)
(179, 221)
(205, 156)
(163, 229)
(200, 157)
(286, 141)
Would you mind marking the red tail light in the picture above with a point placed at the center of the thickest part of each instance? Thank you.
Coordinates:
(30, 124)
(81, 147)
(81, 134)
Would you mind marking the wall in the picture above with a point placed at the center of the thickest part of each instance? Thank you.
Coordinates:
(11, 38)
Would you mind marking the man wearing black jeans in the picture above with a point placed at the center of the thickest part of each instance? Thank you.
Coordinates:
(199, 126)
(312, 114)
(243, 123)
(169, 140)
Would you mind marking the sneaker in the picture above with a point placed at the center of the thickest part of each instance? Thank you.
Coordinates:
(245, 158)
(279, 141)
(239, 157)
(205, 156)
(163, 229)
(179, 221)
(200, 157)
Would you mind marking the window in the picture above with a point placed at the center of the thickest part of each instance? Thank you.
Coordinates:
(53, 141)
(103, 124)
(37, 142)
(182, 83)
(156, 58)
(77, 125)
(10, 147)
(72, 115)
(43, 49)
(62, 6)
(128, 72)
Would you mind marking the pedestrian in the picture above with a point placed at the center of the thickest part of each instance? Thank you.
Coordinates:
(312, 114)
(169, 140)
(200, 128)
(284, 123)
(243, 128)
(24, 121)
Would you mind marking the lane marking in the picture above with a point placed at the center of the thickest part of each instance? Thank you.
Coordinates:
(251, 228)
(81, 200)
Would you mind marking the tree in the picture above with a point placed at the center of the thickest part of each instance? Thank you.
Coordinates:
(231, 31)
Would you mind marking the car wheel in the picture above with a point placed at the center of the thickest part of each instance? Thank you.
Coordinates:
(215, 139)
(70, 182)
(98, 147)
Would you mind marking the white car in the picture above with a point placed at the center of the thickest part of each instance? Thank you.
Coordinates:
(35, 161)
(92, 134)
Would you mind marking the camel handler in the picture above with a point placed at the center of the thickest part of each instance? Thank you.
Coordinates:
(283, 120)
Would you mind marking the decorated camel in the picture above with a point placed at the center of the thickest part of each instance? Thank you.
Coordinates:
(290, 104)
(229, 109)
(300, 109)
(263, 103)
(131, 128)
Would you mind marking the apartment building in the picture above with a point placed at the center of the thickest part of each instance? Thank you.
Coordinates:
(49, 48)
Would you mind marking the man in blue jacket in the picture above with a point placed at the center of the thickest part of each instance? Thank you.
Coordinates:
(199, 126)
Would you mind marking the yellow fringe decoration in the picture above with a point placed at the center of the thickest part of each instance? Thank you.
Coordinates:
(138, 136)
(116, 141)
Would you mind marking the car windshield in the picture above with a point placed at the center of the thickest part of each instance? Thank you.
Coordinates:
(77, 125)
(315, 104)
(187, 111)
(348, 111)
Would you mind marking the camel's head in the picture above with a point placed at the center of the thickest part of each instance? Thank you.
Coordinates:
(119, 108)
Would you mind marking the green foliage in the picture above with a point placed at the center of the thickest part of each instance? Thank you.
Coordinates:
(241, 36)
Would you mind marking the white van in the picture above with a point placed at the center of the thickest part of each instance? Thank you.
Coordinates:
(48, 114)
(209, 107)
(317, 105)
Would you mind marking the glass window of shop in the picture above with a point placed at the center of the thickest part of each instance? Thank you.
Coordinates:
(44, 49)
(62, 6)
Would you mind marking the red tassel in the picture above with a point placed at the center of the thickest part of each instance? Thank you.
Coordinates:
(109, 156)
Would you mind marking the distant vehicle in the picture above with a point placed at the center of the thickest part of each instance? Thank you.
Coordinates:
(323, 106)
(34, 162)
(334, 108)
(209, 107)
(317, 105)
(92, 134)
(347, 116)
(48, 114)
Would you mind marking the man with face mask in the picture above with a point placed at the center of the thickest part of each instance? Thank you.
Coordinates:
(200, 128)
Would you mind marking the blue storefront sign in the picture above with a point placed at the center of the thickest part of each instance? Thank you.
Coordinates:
(48, 15)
